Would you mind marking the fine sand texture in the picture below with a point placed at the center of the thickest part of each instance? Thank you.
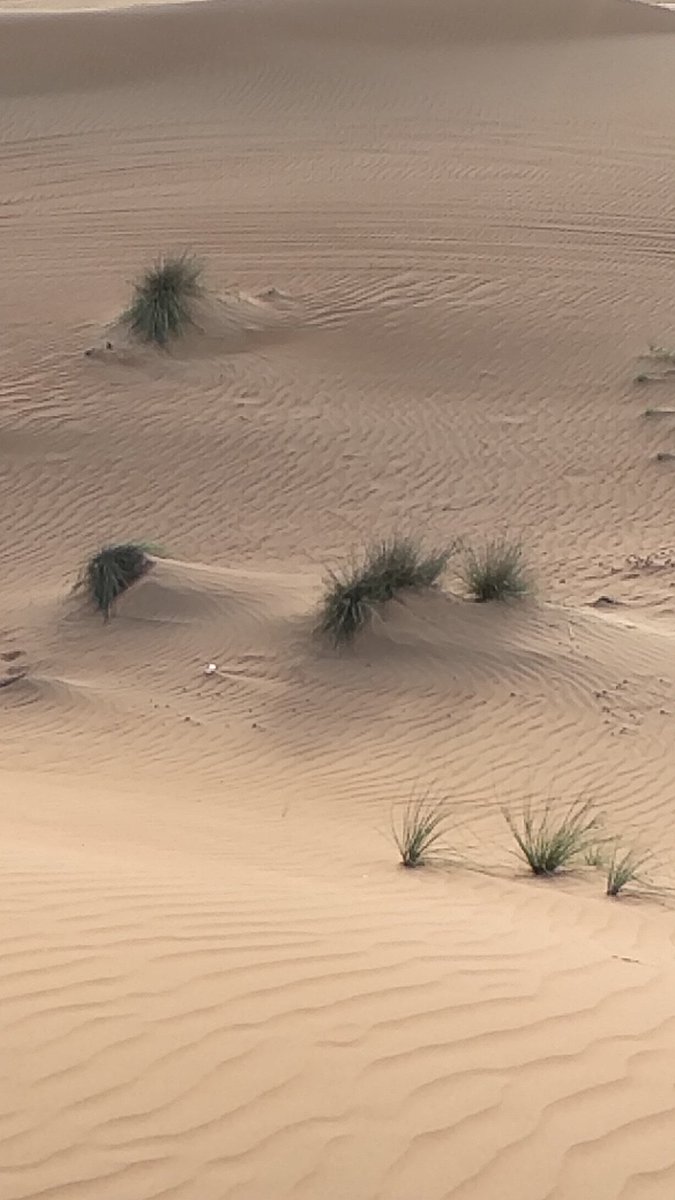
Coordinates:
(439, 240)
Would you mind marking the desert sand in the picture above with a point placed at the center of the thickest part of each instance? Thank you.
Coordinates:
(216, 982)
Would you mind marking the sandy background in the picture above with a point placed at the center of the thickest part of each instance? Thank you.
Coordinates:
(215, 983)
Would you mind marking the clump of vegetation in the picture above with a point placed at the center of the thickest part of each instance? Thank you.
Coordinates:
(496, 572)
(419, 836)
(594, 856)
(162, 305)
(385, 570)
(642, 377)
(346, 606)
(623, 869)
(113, 570)
(548, 843)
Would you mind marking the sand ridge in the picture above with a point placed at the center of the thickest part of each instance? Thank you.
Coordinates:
(439, 240)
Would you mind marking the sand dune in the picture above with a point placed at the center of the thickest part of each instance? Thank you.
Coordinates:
(437, 238)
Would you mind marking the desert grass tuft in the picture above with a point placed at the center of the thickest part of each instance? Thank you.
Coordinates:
(162, 304)
(384, 571)
(549, 843)
(420, 833)
(496, 571)
(594, 856)
(111, 571)
(346, 606)
(624, 869)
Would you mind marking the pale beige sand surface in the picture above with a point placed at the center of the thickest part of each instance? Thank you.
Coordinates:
(215, 983)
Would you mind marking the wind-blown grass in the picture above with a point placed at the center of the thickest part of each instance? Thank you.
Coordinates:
(496, 571)
(548, 843)
(623, 869)
(385, 570)
(421, 830)
(162, 304)
(111, 571)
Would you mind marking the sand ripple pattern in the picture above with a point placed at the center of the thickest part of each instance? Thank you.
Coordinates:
(241, 1035)
(441, 236)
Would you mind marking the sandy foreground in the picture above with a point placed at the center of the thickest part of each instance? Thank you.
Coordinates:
(215, 982)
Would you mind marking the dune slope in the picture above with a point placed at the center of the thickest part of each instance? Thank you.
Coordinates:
(439, 240)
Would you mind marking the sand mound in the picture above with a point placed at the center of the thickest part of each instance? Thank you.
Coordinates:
(179, 591)
(216, 982)
(221, 325)
(218, 935)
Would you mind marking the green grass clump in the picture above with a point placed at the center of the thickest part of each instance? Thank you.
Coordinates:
(420, 831)
(162, 302)
(594, 856)
(548, 843)
(496, 572)
(112, 571)
(385, 570)
(623, 869)
(346, 607)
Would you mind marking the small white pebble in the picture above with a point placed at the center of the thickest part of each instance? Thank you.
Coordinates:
(210, 669)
